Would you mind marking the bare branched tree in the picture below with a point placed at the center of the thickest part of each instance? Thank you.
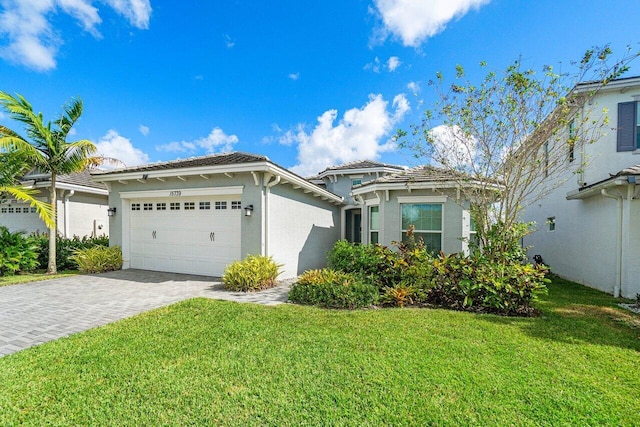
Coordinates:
(517, 128)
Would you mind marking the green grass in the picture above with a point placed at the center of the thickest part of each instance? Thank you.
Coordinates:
(34, 277)
(205, 362)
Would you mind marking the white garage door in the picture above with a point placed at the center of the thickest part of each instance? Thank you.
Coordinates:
(196, 235)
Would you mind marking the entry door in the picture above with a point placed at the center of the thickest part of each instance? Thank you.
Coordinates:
(191, 235)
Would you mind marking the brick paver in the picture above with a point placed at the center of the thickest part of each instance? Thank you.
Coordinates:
(34, 313)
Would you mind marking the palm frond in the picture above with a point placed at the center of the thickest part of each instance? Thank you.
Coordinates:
(26, 195)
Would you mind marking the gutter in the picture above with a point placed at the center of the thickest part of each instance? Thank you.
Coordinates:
(618, 283)
(66, 211)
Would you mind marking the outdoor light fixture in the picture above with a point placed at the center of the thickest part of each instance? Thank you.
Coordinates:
(111, 212)
(248, 210)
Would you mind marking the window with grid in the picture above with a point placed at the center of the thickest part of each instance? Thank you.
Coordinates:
(221, 205)
(25, 210)
(33, 210)
(426, 219)
(10, 210)
(4, 210)
(174, 206)
(18, 210)
(189, 206)
(236, 204)
(147, 206)
(374, 224)
(135, 206)
(205, 206)
(161, 206)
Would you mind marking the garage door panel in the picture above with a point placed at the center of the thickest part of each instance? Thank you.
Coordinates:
(198, 241)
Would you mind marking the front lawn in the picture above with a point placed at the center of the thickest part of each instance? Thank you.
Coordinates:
(205, 362)
(34, 277)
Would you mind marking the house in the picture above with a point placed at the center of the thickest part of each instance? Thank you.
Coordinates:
(425, 197)
(589, 225)
(199, 214)
(81, 206)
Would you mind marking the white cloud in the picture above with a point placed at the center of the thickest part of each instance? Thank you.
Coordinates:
(228, 41)
(115, 146)
(414, 21)
(393, 63)
(30, 39)
(144, 130)
(216, 142)
(72, 132)
(373, 66)
(452, 148)
(359, 134)
(294, 76)
(414, 87)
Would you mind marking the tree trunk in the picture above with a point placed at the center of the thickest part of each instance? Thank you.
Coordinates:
(53, 231)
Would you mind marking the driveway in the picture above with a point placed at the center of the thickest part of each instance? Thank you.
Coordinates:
(38, 312)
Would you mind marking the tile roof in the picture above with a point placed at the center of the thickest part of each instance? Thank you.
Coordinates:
(425, 173)
(235, 157)
(633, 170)
(361, 164)
(81, 178)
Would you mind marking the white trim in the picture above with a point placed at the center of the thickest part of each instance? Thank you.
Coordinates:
(76, 187)
(422, 199)
(183, 192)
(372, 202)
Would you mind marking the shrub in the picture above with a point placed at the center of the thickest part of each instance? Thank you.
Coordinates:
(402, 295)
(333, 289)
(254, 273)
(65, 248)
(374, 263)
(17, 252)
(98, 259)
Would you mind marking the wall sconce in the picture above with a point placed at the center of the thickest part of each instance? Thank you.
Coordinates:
(248, 210)
(111, 212)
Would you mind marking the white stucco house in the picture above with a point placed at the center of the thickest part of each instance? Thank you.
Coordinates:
(81, 206)
(589, 226)
(199, 214)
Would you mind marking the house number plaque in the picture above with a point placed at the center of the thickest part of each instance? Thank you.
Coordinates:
(175, 193)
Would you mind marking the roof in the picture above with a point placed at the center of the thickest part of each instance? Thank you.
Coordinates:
(424, 173)
(233, 158)
(82, 179)
(620, 178)
(361, 164)
(633, 170)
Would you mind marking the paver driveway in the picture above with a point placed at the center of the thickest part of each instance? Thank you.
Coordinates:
(38, 312)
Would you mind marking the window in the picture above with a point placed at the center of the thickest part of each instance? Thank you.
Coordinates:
(236, 204)
(174, 206)
(135, 206)
(148, 206)
(161, 206)
(427, 220)
(473, 232)
(205, 206)
(572, 140)
(4, 210)
(374, 224)
(25, 210)
(18, 210)
(628, 126)
(356, 181)
(10, 210)
(189, 206)
(551, 223)
(33, 210)
(221, 205)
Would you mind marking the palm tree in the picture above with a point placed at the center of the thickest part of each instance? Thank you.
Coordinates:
(47, 150)
(11, 167)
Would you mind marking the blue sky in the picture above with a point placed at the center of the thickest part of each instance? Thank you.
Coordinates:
(307, 83)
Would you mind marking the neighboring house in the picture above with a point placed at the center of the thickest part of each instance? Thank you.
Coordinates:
(589, 226)
(81, 206)
(425, 197)
(200, 214)
(341, 179)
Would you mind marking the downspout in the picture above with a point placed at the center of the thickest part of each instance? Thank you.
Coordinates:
(618, 282)
(66, 212)
(267, 190)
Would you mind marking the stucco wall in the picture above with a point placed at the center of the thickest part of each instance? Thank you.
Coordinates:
(302, 229)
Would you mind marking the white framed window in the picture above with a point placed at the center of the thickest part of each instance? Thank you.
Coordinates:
(374, 224)
(174, 206)
(18, 210)
(551, 223)
(426, 219)
(221, 205)
(147, 206)
(189, 206)
(3, 210)
(236, 204)
(10, 210)
(205, 206)
(25, 210)
(33, 210)
(135, 206)
(356, 181)
(161, 206)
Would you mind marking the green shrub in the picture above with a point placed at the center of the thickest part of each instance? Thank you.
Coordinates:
(65, 248)
(402, 295)
(98, 259)
(17, 252)
(333, 289)
(254, 273)
(374, 263)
